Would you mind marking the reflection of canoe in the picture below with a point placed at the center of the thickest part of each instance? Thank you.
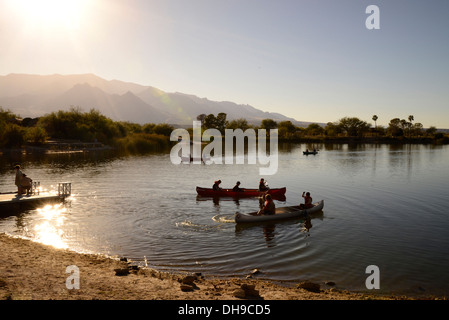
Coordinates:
(208, 192)
(281, 214)
(309, 152)
(192, 159)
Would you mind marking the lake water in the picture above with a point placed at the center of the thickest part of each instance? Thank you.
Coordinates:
(385, 205)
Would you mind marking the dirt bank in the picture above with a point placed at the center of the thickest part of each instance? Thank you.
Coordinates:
(32, 271)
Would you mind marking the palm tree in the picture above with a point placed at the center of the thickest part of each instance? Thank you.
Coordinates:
(375, 119)
(410, 119)
(375, 123)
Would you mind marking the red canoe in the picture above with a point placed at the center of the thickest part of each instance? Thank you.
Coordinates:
(209, 192)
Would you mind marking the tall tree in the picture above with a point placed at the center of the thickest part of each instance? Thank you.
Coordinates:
(286, 129)
(268, 124)
(201, 118)
(394, 128)
(353, 126)
(218, 122)
(210, 121)
(221, 122)
(332, 129)
(238, 124)
(409, 125)
(314, 129)
(375, 120)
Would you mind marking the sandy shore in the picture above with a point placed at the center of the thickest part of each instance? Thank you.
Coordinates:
(32, 271)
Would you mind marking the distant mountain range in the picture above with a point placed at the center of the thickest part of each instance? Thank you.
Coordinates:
(36, 95)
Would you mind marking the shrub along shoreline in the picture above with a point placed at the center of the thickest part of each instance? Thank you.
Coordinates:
(75, 130)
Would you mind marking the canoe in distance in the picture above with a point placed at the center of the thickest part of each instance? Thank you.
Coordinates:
(282, 213)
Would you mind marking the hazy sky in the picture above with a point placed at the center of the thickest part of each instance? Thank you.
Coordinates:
(313, 60)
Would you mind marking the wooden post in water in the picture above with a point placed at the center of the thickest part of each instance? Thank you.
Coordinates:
(36, 186)
(64, 189)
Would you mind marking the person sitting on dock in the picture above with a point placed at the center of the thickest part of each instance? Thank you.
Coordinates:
(18, 181)
(269, 207)
(237, 187)
(307, 201)
(216, 186)
(262, 185)
(26, 184)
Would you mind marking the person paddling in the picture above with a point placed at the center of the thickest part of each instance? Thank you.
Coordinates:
(262, 185)
(237, 187)
(269, 207)
(216, 186)
(307, 201)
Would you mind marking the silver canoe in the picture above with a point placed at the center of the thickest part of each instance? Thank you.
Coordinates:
(281, 214)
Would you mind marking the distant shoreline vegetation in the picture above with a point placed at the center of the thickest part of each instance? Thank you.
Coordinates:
(345, 130)
(75, 127)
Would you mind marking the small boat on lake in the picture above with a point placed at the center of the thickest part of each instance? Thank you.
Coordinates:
(310, 152)
(245, 193)
(282, 213)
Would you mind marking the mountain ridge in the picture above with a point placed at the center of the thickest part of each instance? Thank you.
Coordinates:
(31, 95)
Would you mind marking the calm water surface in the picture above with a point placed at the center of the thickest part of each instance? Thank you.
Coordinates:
(384, 205)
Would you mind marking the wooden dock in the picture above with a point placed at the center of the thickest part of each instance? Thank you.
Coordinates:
(11, 201)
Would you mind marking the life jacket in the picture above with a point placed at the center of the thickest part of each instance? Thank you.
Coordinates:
(269, 207)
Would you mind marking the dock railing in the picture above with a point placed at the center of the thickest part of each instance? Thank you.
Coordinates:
(36, 187)
(64, 189)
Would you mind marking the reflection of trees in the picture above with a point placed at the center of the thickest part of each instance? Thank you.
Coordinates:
(334, 146)
(402, 157)
(57, 161)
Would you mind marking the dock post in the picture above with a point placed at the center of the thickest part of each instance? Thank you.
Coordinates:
(64, 189)
(35, 186)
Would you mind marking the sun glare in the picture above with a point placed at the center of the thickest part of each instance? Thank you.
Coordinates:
(49, 230)
(50, 13)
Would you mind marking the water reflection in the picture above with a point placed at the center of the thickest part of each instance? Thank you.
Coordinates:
(269, 234)
(307, 225)
(57, 162)
(269, 228)
(49, 227)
